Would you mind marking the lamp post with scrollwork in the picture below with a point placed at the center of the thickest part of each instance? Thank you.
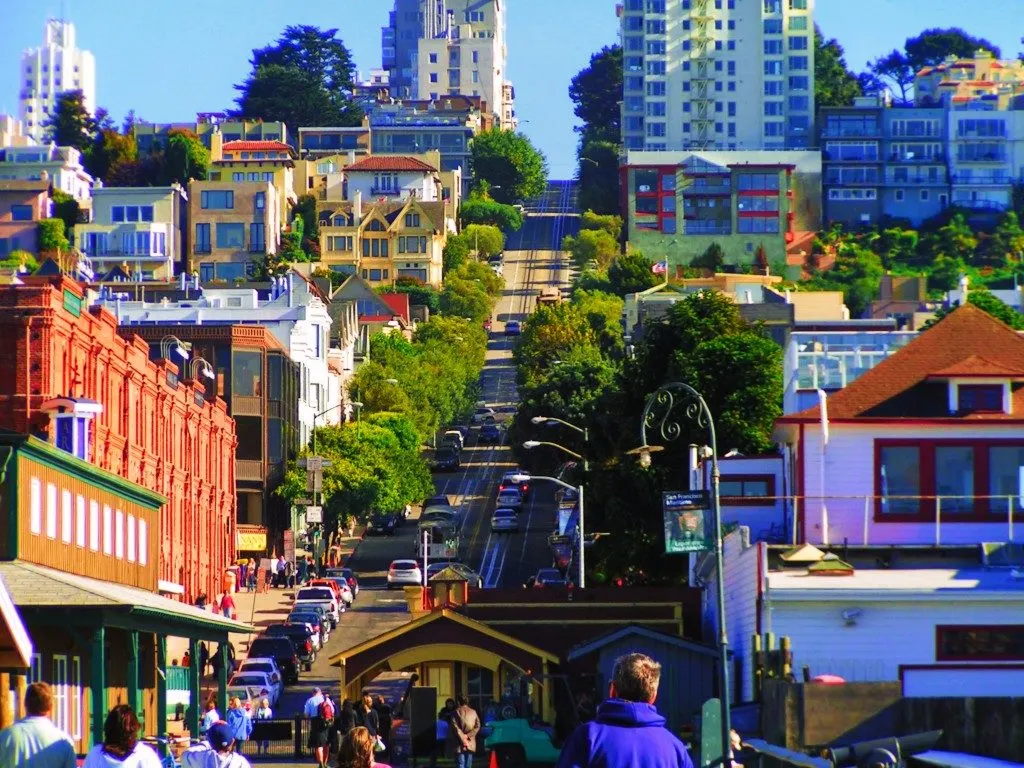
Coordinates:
(664, 410)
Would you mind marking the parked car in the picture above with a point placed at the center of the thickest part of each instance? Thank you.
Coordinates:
(404, 573)
(258, 684)
(446, 460)
(512, 480)
(504, 520)
(453, 438)
(482, 413)
(490, 433)
(323, 596)
(349, 575)
(300, 636)
(437, 501)
(280, 649)
(513, 328)
(382, 524)
(315, 623)
(341, 590)
(510, 498)
(322, 615)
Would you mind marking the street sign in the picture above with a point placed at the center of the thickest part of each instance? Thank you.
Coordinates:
(314, 515)
(686, 521)
(302, 502)
(289, 545)
(312, 463)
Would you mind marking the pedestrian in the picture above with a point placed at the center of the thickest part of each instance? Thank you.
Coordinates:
(186, 660)
(344, 722)
(227, 606)
(366, 715)
(200, 755)
(238, 721)
(385, 717)
(121, 747)
(252, 574)
(319, 731)
(34, 741)
(281, 563)
(263, 712)
(222, 742)
(289, 574)
(628, 731)
(243, 573)
(301, 569)
(210, 716)
(357, 750)
(269, 581)
(312, 705)
(201, 601)
(462, 730)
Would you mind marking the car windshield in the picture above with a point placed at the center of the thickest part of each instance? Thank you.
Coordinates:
(404, 565)
(504, 513)
(248, 680)
(317, 593)
(256, 666)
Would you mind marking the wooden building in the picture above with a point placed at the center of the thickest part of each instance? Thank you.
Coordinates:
(15, 657)
(156, 427)
(79, 556)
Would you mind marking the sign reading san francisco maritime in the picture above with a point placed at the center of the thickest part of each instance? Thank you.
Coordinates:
(686, 521)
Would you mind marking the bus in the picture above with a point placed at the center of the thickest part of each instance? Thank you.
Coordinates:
(437, 540)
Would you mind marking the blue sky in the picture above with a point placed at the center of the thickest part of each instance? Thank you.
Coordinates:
(171, 60)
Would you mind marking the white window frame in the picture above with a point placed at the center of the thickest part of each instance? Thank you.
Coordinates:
(51, 511)
(66, 516)
(94, 525)
(59, 684)
(36, 509)
(76, 698)
(119, 534)
(108, 530)
(80, 521)
(143, 542)
(131, 538)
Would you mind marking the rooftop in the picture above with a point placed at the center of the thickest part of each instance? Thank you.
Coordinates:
(256, 146)
(391, 163)
(890, 584)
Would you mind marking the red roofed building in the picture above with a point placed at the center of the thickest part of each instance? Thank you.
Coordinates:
(925, 448)
(392, 177)
(954, 79)
(256, 161)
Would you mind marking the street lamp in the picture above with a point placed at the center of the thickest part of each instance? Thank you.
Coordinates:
(170, 344)
(658, 412)
(530, 445)
(201, 366)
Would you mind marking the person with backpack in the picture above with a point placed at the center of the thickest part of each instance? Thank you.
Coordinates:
(319, 731)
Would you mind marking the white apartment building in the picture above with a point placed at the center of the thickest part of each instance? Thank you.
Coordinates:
(61, 165)
(717, 74)
(49, 70)
(438, 48)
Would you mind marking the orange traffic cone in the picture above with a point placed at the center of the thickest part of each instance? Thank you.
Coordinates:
(494, 760)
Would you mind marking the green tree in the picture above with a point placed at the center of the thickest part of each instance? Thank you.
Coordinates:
(477, 272)
(894, 72)
(510, 164)
(485, 239)
(480, 210)
(713, 259)
(603, 313)
(109, 150)
(857, 272)
(66, 208)
(305, 208)
(305, 78)
(610, 223)
(591, 245)
(456, 251)
(186, 157)
(549, 333)
(465, 298)
(419, 292)
(1006, 243)
(834, 84)
(955, 239)
(22, 261)
(599, 177)
(70, 124)
(291, 243)
(596, 92)
(52, 236)
(985, 301)
(631, 273)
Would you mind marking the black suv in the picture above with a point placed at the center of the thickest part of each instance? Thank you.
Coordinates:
(281, 650)
(301, 636)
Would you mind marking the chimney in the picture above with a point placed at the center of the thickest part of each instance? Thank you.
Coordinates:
(964, 281)
(216, 145)
(357, 207)
(351, 157)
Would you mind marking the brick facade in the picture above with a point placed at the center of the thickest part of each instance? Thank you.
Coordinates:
(154, 430)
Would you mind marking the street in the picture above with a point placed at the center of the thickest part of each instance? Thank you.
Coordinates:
(532, 260)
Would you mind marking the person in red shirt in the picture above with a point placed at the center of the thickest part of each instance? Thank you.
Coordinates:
(227, 605)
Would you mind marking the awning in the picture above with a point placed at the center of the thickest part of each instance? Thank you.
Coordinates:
(15, 645)
(36, 587)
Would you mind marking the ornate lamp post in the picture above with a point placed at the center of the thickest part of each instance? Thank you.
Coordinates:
(664, 411)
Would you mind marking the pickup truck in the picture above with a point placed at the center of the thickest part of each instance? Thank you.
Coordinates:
(321, 596)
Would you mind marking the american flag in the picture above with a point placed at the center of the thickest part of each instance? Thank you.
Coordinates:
(660, 268)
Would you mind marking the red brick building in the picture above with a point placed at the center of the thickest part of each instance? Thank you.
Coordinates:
(156, 427)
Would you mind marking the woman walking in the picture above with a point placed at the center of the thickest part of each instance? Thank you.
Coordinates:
(264, 712)
(357, 750)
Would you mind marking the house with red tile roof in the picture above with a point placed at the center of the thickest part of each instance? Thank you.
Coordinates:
(260, 161)
(393, 177)
(926, 448)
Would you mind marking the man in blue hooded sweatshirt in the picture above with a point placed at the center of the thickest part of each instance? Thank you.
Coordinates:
(628, 731)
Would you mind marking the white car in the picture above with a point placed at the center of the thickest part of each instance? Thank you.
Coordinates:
(256, 684)
(323, 596)
(511, 498)
(263, 664)
(504, 520)
(404, 573)
(482, 414)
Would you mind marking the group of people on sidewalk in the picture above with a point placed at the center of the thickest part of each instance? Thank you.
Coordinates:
(278, 572)
(330, 725)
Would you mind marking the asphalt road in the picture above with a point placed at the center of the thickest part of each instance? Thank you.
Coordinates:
(532, 260)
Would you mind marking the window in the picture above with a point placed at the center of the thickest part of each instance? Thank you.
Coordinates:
(246, 373)
(143, 542)
(656, 109)
(773, 88)
(656, 67)
(117, 213)
(108, 530)
(65, 516)
(412, 220)
(257, 242)
(80, 521)
(973, 643)
(954, 478)
(433, 77)
(119, 534)
(231, 236)
(21, 213)
(131, 538)
(799, 82)
(61, 710)
(798, 43)
(202, 238)
(146, 212)
(94, 526)
(798, 22)
(217, 199)
(758, 181)
(656, 88)
(773, 67)
(900, 479)
(747, 490)
(238, 177)
(772, 47)
(259, 202)
(36, 509)
(773, 26)
(1005, 464)
(899, 195)
(51, 511)
(980, 398)
(799, 103)
(799, 62)
(757, 226)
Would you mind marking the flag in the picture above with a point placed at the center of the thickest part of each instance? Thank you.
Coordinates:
(660, 268)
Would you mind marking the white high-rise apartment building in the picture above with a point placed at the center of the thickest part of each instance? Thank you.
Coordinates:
(438, 48)
(717, 74)
(56, 66)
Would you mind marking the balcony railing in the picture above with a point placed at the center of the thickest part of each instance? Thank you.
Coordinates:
(858, 132)
(385, 191)
(249, 470)
(893, 520)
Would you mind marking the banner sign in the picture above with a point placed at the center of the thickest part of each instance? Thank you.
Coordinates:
(687, 521)
(251, 540)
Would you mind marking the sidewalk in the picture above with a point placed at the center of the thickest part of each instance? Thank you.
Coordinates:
(258, 610)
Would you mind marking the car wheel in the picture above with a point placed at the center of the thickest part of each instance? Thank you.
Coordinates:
(510, 756)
